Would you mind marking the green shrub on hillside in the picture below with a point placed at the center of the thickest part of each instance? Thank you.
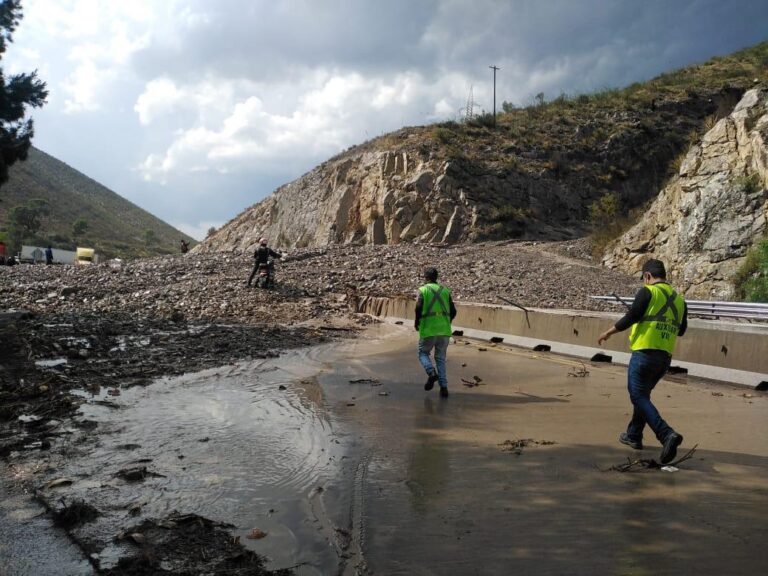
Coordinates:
(607, 221)
(749, 184)
(751, 280)
(485, 120)
(506, 221)
(444, 135)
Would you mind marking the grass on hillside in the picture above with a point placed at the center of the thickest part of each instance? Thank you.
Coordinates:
(751, 280)
(569, 139)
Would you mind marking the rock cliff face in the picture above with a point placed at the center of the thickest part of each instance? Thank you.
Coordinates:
(702, 224)
(370, 197)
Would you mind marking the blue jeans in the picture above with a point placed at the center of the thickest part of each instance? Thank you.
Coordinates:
(440, 344)
(644, 372)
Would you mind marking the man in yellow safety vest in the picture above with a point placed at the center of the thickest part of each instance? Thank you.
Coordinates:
(657, 317)
(434, 312)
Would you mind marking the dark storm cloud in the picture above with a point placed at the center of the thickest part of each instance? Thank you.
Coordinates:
(551, 45)
(596, 43)
(277, 39)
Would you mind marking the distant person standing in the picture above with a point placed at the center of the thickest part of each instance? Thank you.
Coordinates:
(434, 313)
(657, 317)
(184, 246)
(49, 255)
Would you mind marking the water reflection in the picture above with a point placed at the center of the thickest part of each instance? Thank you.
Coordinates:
(243, 444)
(428, 461)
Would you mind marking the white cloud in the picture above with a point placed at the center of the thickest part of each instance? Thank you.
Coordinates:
(160, 97)
(327, 116)
(198, 230)
(91, 41)
(250, 133)
(83, 87)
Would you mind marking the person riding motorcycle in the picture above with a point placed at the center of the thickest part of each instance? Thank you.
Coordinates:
(264, 255)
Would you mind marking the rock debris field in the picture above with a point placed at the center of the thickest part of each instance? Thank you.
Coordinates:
(313, 283)
(67, 333)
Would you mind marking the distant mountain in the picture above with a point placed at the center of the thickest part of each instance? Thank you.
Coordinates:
(115, 226)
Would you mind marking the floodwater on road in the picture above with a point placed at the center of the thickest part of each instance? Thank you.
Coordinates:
(446, 493)
(349, 466)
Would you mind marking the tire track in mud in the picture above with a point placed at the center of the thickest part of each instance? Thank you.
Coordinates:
(349, 543)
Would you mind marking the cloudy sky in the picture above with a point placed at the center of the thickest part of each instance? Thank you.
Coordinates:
(196, 109)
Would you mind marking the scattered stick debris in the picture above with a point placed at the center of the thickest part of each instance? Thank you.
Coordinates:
(648, 463)
(579, 372)
(371, 381)
(516, 446)
(476, 381)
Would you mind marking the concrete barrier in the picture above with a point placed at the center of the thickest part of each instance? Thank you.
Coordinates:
(727, 345)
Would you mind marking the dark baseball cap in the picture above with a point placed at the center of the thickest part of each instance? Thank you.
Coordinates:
(655, 268)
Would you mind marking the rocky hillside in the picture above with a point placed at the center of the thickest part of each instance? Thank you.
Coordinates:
(115, 226)
(705, 220)
(532, 175)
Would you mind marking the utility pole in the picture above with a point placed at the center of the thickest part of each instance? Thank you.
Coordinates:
(494, 68)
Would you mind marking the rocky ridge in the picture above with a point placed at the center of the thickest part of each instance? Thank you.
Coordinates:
(533, 176)
(702, 224)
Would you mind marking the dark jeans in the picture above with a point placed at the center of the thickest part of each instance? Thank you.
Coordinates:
(645, 371)
(440, 345)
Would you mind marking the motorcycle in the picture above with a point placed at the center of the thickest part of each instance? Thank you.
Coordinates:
(265, 278)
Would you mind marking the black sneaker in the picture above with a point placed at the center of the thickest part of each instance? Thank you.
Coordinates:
(636, 444)
(443, 392)
(430, 382)
(669, 451)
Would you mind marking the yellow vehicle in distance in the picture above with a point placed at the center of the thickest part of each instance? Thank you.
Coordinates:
(86, 256)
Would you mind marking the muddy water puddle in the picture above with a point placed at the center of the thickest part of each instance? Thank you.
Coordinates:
(258, 445)
(230, 445)
(253, 445)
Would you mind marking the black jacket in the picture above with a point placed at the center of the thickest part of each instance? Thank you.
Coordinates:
(263, 253)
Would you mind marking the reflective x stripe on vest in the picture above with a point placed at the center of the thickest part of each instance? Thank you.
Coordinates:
(436, 300)
(658, 328)
(660, 316)
(435, 314)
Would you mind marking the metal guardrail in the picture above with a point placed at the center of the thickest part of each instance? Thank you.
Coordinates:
(707, 308)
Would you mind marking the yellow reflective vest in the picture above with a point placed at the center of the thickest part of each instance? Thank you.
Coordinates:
(436, 312)
(661, 322)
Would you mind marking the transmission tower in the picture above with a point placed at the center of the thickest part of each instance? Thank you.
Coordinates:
(470, 112)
